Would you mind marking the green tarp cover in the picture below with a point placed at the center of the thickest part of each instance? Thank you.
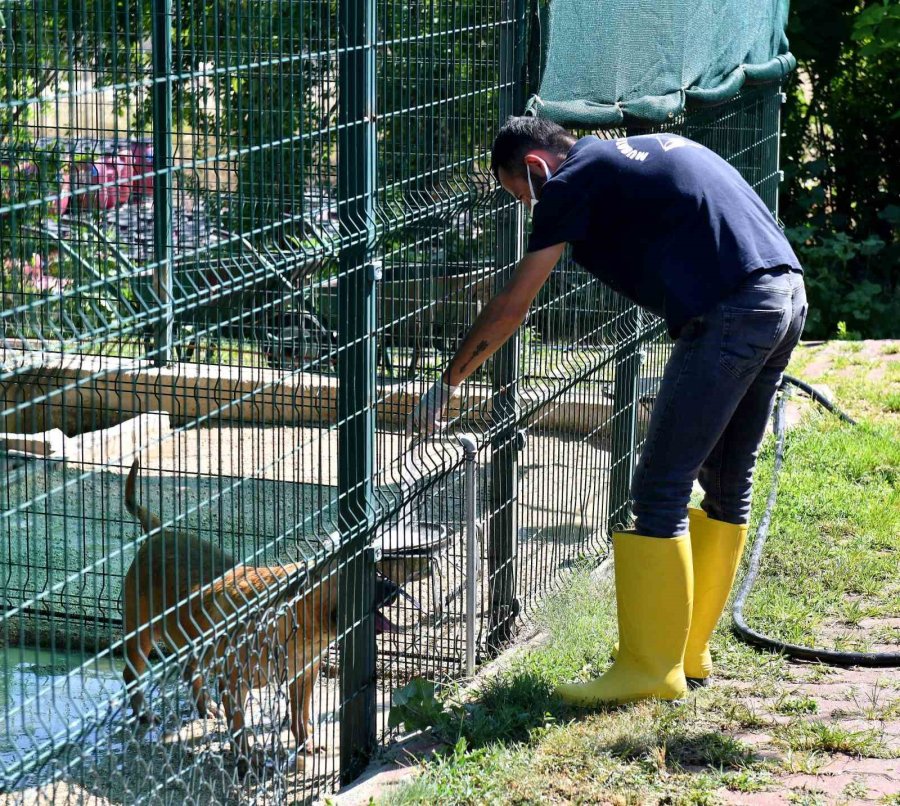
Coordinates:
(608, 62)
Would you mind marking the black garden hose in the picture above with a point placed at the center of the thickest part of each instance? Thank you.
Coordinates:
(743, 631)
(818, 397)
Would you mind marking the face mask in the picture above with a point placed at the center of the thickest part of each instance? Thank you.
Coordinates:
(534, 199)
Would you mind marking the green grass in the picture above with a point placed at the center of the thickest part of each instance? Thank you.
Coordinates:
(892, 402)
(517, 744)
(832, 738)
(831, 558)
(864, 387)
(855, 789)
(796, 705)
(830, 564)
(808, 797)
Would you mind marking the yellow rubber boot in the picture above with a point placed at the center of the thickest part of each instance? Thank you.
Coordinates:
(654, 583)
(716, 547)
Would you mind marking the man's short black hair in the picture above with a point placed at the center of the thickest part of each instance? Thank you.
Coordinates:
(519, 135)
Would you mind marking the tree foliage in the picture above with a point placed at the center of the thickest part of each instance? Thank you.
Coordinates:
(255, 92)
(842, 137)
(255, 99)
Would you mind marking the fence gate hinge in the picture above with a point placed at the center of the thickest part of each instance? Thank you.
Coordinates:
(374, 551)
(374, 271)
(521, 439)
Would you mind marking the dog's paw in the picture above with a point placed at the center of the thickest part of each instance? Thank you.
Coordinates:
(212, 710)
(251, 760)
(147, 719)
(311, 747)
(243, 767)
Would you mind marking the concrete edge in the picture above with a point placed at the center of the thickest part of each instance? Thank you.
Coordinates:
(114, 446)
(62, 383)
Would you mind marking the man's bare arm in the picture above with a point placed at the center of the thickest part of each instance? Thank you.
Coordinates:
(501, 317)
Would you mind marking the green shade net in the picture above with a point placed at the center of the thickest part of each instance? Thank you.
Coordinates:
(608, 62)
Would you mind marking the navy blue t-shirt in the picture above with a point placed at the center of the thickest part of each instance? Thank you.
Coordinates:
(662, 220)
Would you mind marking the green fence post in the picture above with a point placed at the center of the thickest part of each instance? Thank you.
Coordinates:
(628, 360)
(356, 375)
(503, 526)
(773, 201)
(163, 246)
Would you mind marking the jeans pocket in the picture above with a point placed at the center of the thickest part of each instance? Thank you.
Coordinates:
(748, 338)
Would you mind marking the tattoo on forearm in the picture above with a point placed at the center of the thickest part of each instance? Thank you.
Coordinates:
(479, 349)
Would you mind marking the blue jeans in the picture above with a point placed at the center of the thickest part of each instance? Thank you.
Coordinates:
(714, 403)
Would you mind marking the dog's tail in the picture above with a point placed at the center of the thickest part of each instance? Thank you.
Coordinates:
(149, 521)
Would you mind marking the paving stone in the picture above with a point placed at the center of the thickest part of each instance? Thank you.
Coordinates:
(750, 798)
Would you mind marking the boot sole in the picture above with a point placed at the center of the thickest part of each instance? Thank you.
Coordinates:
(697, 682)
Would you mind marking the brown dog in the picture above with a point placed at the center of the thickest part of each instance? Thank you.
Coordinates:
(168, 568)
(182, 591)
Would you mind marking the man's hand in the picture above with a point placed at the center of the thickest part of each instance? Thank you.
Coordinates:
(428, 415)
(497, 321)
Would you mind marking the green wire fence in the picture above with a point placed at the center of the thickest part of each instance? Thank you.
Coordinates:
(238, 239)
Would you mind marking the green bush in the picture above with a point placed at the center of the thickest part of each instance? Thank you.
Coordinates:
(841, 201)
(843, 298)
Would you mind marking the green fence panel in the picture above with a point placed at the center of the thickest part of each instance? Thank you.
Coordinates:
(238, 239)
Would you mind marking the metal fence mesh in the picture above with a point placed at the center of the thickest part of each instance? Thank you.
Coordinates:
(238, 238)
